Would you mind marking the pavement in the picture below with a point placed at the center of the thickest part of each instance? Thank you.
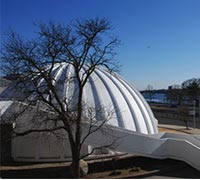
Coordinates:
(180, 128)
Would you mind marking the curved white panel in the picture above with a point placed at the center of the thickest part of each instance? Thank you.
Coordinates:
(111, 92)
(106, 90)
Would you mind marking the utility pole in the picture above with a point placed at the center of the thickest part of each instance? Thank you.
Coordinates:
(199, 108)
(194, 112)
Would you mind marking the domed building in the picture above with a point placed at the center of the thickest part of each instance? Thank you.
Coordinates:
(132, 121)
(103, 89)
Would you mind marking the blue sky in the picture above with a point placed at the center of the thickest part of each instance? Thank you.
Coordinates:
(160, 38)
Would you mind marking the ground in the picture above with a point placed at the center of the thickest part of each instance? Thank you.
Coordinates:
(128, 166)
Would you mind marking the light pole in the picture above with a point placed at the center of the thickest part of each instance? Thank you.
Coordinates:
(194, 111)
(199, 108)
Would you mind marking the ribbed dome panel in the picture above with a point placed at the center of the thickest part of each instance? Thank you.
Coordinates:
(110, 91)
(103, 89)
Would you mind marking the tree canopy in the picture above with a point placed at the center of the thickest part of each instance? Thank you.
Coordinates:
(87, 43)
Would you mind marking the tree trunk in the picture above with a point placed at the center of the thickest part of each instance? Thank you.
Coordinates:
(75, 169)
(186, 124)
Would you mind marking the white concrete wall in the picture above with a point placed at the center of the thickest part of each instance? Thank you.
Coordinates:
(183, 150)
(42, 148)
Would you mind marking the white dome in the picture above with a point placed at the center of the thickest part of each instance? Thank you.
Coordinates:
(130, 110)
(103, 89)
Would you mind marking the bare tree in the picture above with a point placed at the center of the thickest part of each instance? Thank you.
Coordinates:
(85, 43)
(183, 114)
(150, 92)
(175, 94)
(192, 88)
